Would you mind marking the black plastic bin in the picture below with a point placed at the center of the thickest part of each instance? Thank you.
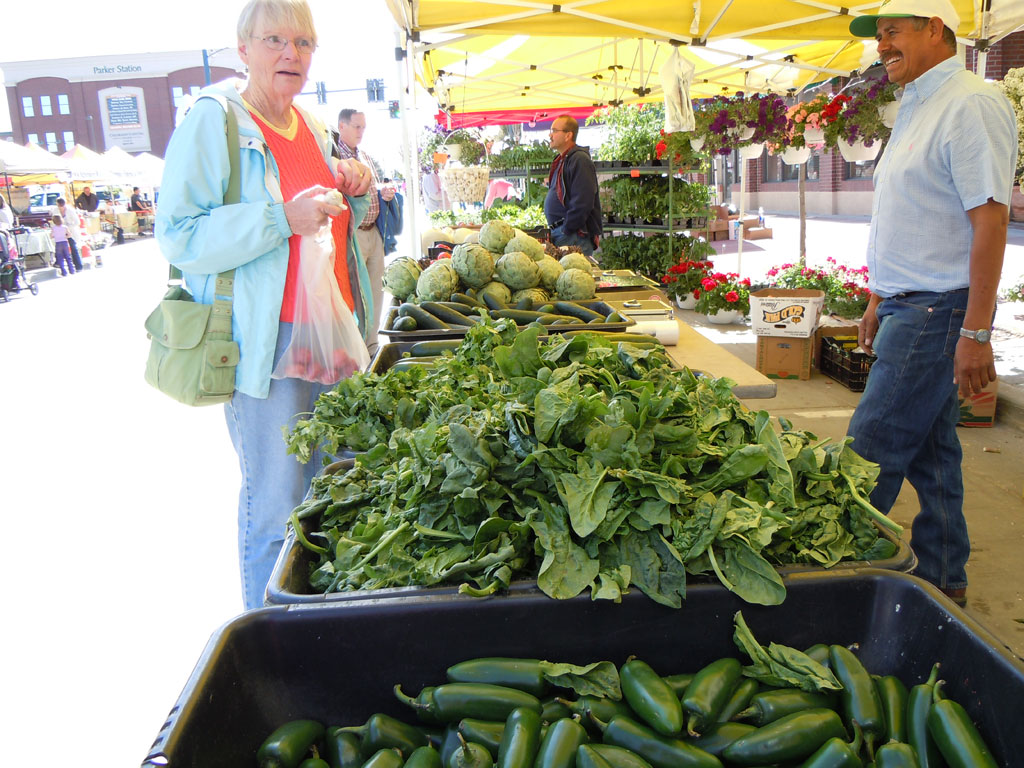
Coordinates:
(339, 663)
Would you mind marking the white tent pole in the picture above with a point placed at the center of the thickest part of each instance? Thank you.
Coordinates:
(739, 230)
(407, 100)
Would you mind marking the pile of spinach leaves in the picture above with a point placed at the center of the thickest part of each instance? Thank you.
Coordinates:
(580, 463)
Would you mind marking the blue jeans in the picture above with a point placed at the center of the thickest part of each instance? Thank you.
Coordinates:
(560, 237)
(273, 482)
(906, 422)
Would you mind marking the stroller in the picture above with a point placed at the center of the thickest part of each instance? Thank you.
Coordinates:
(12, 270)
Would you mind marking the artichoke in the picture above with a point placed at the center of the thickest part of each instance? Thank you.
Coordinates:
(576, 261)
(400, 277)
(517, 271)
(531, 246)
(549, 269)
(576, 285)
(438, 281)
(537, 296)
(473, 263)
(495, 234)
(498, 290)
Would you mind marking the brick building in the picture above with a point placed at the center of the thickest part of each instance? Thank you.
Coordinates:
(103, 101)
(834, 186)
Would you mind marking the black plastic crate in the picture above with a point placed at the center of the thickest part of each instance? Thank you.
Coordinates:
(338, 663)
(839, 361)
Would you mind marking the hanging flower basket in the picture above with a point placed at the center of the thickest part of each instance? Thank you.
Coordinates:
(752, 151)
(888, 113)
(795, 155)
(697, 144)
(741, 132)
(858, 152)
(814, 135)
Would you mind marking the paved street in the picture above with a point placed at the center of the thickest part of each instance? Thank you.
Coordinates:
(118, 505)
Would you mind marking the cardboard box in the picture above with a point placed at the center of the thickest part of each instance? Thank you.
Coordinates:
(829, 325)
(759, 233)
(979, 410)
(792, 312)
(784, 357)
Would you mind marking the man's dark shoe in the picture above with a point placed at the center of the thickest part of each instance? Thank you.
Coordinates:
(958, 595)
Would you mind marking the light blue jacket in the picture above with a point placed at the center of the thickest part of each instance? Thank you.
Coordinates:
(203, 237)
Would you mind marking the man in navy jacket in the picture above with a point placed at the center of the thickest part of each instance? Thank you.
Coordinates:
(572, 207)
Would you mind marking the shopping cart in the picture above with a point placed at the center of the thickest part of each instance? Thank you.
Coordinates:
(12, 270)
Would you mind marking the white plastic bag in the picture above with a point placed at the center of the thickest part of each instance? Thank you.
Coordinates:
(326, 345)
(676, 76)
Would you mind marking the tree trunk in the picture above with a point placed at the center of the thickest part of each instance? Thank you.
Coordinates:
(801, 185)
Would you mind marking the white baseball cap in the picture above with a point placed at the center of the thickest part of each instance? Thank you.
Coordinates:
(864, 26)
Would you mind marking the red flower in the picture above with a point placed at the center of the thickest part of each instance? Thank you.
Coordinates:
(709, 283)
(745, 282)
(732, 297)
(696, 293)
(659, 149)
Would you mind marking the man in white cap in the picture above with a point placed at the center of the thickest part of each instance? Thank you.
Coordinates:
(935, 253)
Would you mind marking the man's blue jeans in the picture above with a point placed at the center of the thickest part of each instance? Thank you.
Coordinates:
(906, 422)
(560, 237)
(273, 482)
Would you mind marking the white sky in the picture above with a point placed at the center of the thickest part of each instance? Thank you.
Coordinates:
(356, 42)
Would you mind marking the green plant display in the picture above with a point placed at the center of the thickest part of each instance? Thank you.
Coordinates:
(536, 154)
(650, 256)
(1012, 85)
(633, 131)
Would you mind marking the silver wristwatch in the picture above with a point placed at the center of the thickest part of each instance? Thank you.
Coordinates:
(982, 335)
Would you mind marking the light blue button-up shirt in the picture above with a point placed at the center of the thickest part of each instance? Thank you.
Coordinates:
(954, 146)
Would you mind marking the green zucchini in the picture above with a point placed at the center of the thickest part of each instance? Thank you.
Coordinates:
(445, 315)
(577, 310)
(424, 320)
(465, 298)
(493, 302)
(404, 323)
(413, 362)
(433, 348)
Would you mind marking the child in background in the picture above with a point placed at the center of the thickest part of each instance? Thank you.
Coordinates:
(62, 250)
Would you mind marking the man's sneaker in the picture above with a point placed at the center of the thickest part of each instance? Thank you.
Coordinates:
(958, 595)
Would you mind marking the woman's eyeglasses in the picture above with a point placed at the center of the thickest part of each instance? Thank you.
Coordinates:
(278, 43)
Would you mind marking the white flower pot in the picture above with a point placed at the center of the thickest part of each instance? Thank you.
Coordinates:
(686, 302)
(741, 132)
(697, 144)
(795, 155)
(752, 151)
(814, 135)
(887, 112)
(725, 317)
(857, 152)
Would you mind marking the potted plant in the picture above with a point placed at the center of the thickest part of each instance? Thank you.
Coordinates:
(1012, 85)
(845, 287)
(724, 298)
(683, 280)
(804, 128)
(633, 132)
(855, 124)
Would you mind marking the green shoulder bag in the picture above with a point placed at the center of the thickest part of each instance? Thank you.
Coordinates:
(192, 356)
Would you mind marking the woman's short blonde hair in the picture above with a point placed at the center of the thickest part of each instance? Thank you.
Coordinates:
(289, 13)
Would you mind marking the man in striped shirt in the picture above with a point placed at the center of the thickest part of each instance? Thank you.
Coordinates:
(351, 127)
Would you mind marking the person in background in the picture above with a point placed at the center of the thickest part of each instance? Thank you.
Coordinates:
(935, 253)
(572, 207)
(87, 201)
(286, 164)
(6, 217)
(61, 251)
(433, 192)
(140, 208)
(73, 222)
(351, 127)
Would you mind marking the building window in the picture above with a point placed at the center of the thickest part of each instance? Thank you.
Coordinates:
(69, 140)
(51, 142)
(27, 109)
(775, 170)
(176, 95)
(45, 108)
(32, 138)
(63, 106)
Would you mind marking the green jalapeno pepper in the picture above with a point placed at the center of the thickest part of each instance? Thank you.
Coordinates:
(342, 749)
(859, 696)
(919, 704)
(449, 744)
(452, 702)
(523, 674)
(559, 745)
(423, 704)
(790, 738)
(385, 732)
(660, 751)
(739, 700)
(424, 757)
(650, 697)
(893, 695)
(470, 755)
(768, 706)
(520, 739)
(819, 653)
(709, 692)
(590, 708)
(896, 754)
(587, 757)
(553, 709)
(721, 735)
(679, 682)
(484, 732)
(385, 758)
(289, 744)
(314, 762)
(836, 753)
(619, 757)
(955, 734)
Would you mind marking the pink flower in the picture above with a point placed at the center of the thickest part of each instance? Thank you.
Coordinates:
(732, 297)
(709, 284)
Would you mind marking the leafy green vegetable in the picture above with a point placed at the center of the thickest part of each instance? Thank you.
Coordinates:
(780, 665)
(598, 679)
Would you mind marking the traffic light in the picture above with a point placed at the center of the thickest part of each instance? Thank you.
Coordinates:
(374, 89)
(393, 109)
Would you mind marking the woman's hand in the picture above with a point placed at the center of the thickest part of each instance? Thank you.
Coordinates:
(353, 178)
(306, 214)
